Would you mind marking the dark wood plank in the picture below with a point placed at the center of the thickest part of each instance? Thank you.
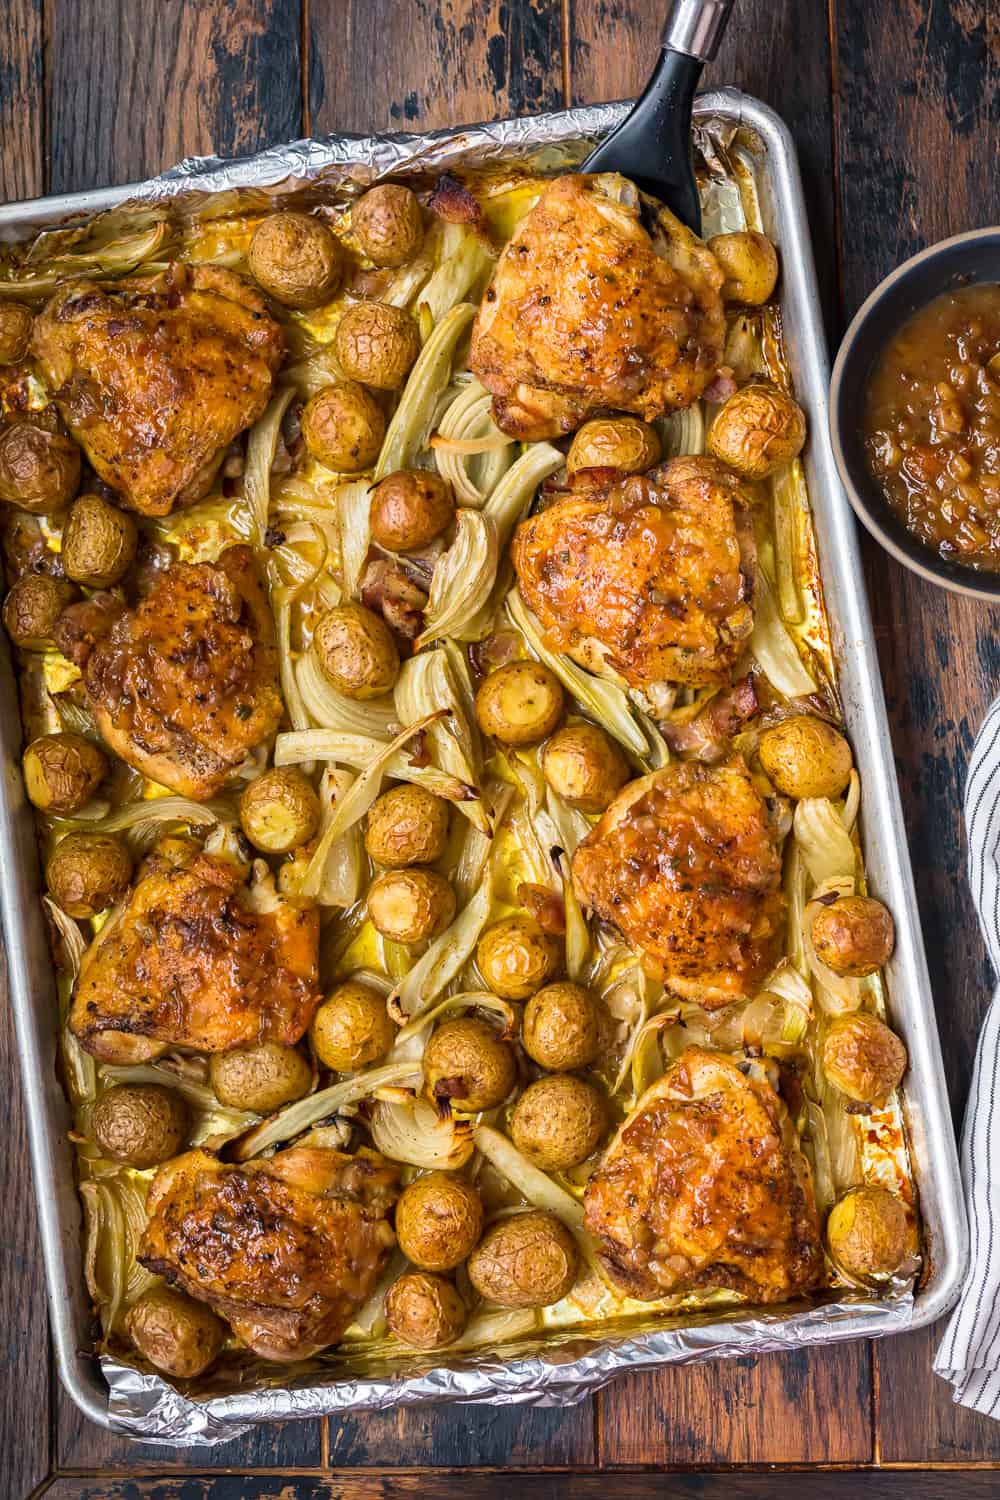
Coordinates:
(22, 113)
(917, 139)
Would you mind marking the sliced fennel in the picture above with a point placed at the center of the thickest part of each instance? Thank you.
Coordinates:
(774, 648)
(296, 1118)
(410, 427)
(445, 958)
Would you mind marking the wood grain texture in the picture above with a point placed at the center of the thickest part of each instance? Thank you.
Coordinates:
(22, 110)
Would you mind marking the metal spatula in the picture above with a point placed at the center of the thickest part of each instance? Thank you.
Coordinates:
(652, 145)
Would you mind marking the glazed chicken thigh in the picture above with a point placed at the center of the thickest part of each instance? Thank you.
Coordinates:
(286, 1249)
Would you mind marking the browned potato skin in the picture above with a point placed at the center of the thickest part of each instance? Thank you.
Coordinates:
(88, 872)
(520, 703)
(39, 466)
(425, 1311)
(516, 956)
(140, 1124)
(866, 1233)
(33, 606)
(98, 542)
(179, 1336)
(558, 1121)
(585, 767)
(356, 651)
(749, 262)
(467, 1063)
(863, 1058)
(526, 1260)
(408, 906)
(409, 508)
(15, 331)
(757, 430)
(377, 344)
(854, 936)
(406, 826)
(439, 1219)
(343, 427)
(279, 811)
(296, 259)
(624, 443)
(352, 1029)
(388, 224)
(62, 772)
(261, 1078)
(561, 1027)
(806, 757)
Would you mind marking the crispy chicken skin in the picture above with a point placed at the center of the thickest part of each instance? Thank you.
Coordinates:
(155, 377)
(197, 957)
(598, 300)
(686, 863)
(184, 686)
(650, 576)
(705, 1186)
(287, 1249)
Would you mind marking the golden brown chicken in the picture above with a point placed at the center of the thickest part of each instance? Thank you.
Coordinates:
(184, 686)
(649, 577)
(287, 1249)
(686, 863)
(156, 376)
(705, 1186)
(600, 299)
(197, 956)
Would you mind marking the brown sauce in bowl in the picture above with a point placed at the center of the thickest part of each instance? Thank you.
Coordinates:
(932, 425)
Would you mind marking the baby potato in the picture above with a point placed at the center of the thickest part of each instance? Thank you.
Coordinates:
(62, 772)
(33, 606)
(561, 1027)
(520, 703)
(39, 465)
(357, 651)
(179, 1336)
(425, 1311)
(377, 343)
(749, 263)
(525, 1260)
(140, 1124)
(854, 936)
(624, 443)
(466, 1062)
(863, 1058)
(98, 542)
(343, 427)
(279, 811)
(439, 1219)
(806, 757)
(262, 1077)
(352, 1029)
(516, 956)
(558, 1121)
(88, 872)
(15, 331)
(585, 767)
(866, 1233)
(757, 430)
(388, 224)
(296, 259)
(409, 509)
(406, 826)
(409, 906)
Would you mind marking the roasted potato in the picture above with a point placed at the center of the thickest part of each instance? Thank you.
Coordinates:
(520, 703)
(806, 757)
(262, 1077)
(179, 1336)
(279, 811)
(15, 331)
(408, 906)
(343, 427)
(425, 1311)
(854, 936)
(409, 509)
(88, 872)
(516, 956)
(467, 1063)
(39, 464)
(866, 1233)
(439, 1219)
(749, 263)
(757, 430)
(406, 826)
(623, 443)
(558, 1121)
(352, 1029)
(98, 542)
(863, 1058)
(585, 767)
(562, 1027)
(296, 259)
(62, 772)
(388, 224)
(357, 652)
(140, 1124)
(525, 1260)
(33, 606)
(377, 344)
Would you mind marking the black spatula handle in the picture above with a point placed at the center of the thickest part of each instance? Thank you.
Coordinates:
(695, 27)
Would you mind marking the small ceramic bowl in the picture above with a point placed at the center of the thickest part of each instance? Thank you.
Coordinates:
(941, 268)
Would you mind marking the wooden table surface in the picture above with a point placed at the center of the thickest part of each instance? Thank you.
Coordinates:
(894, 108)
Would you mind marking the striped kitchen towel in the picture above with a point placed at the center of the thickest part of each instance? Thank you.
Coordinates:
(969, 1354)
